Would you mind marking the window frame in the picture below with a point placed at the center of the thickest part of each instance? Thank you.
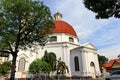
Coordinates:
(21, 64)
(76, 63)
(53, 39)
(71, 39)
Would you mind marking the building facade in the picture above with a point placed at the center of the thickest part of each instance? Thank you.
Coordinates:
(81, 59)
(111, 66)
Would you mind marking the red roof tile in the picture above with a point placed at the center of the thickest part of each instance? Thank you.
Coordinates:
(118, 60)
(63, 27)
(111, 62)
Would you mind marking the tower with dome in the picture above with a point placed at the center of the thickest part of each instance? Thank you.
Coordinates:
(81, 59)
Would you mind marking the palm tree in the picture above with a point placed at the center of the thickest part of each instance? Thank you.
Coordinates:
(61, 67)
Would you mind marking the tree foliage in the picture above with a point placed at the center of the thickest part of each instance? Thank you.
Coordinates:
(104, 8)
(102, 59)
(50, 58)
(56, 65)
(5, 67)
(23, 23)
(38, 66)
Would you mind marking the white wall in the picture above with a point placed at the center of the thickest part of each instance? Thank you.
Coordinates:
(64, 49)
(86, 56)
(61, 37)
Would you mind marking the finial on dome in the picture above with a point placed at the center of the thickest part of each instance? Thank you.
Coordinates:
(58, 16)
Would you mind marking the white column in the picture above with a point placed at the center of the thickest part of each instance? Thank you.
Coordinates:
(62, 53)
(83, 63)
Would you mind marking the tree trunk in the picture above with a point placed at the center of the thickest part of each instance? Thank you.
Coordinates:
(12, 75)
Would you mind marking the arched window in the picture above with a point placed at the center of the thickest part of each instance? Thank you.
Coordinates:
(21, 65)
(76, 61)
(53, 38)
(92, 64)
(71, 39)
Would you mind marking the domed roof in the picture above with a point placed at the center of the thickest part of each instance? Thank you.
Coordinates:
(63, 27)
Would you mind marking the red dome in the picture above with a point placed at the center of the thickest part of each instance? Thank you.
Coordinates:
(63, 27)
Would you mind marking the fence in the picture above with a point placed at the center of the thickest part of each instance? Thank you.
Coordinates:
(48, 77)
(58, 77)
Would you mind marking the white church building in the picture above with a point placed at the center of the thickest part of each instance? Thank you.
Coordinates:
(81, 59)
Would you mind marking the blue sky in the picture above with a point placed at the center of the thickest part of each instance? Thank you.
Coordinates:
(104, 34)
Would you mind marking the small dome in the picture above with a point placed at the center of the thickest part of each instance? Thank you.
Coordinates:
(63, 27)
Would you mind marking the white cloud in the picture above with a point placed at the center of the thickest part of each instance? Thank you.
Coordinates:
(99, 32)
(79, 17)
(110, 52)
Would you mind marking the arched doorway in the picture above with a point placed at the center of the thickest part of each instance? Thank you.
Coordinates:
(93, 72)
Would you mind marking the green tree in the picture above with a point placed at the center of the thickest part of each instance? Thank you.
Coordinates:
(53, 61)
(23, 23)
(46, 57)
(104, 8)
(50, 58)
(5, 68)
(102, 59)
(61, 67)
(38, 66)
(56, 65)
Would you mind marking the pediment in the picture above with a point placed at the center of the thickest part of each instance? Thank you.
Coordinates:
(89, 45)
(23, 55)
(116, 65)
